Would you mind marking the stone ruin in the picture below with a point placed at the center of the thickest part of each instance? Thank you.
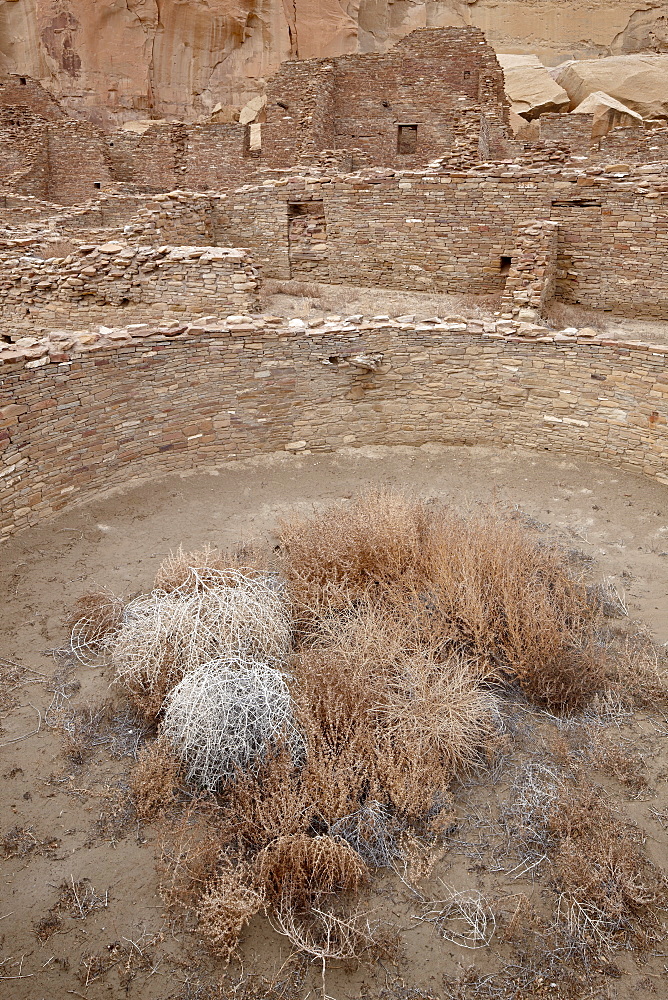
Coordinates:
(132, 262)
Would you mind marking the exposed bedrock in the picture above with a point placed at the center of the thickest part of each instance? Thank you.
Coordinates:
(114, 60)
(638, 81)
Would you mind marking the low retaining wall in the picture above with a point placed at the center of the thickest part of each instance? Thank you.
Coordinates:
(116, 284)
(73, 425)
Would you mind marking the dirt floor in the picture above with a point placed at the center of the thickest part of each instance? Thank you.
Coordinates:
(80, 914)
(314, 300)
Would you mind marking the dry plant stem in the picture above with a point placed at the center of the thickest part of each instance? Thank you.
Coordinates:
(164, 636)
(184, 570)
(25, 736)
(224, 716)
(92, 620)
(324, 935)
(465, 918)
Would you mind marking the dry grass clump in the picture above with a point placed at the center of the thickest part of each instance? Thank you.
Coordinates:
(21, 841)
(299, 871)
(398, 736)
(229, 900)
(481, 584)
(637, 672)
(91, 621)
(259, 807)
(182, 570)
(189, 853)
(432, 727)
(163, 636)
(225, 716)
(335, 555)
(566, 314)
(154, 779)
(303, 877)
(610, 893)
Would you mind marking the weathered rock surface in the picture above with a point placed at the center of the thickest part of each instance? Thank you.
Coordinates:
(608, 113)
(529, 86)
(114, 60)
(638, 81)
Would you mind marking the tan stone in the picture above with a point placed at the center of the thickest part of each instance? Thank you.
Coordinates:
(250, 112)
(529, 86)
(640, 82)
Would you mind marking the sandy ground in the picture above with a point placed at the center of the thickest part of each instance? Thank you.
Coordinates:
(313, 300)
(127, 947)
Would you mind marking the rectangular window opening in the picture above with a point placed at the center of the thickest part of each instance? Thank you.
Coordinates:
(504, 265)
(406, 139)
(23, 81)
(97, 185)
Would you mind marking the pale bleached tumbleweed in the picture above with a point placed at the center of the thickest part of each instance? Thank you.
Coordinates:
(225, 715)
(163, 636)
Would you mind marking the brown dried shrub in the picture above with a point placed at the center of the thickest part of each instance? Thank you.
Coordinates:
(637, 672)
(333, 707)
(621, 762)
(21, 841)
(101, 612)
(382, 724)
(303, 870)
(147, 698)
(611, 894)
(154, 779)
(338, 553)
(432, 728)
(516, 605)
(175, 571)
(189, 848)
(259, 807)
(229, 900)
(49, 924)
(482, 584)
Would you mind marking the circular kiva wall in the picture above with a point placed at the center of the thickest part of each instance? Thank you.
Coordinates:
(71, 426)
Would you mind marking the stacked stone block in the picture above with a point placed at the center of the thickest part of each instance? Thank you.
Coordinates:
(113, 284)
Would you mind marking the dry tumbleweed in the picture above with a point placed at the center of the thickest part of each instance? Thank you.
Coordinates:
(163, 636)
(225, 715)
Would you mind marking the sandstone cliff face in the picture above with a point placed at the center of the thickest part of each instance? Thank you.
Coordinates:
(115, 60)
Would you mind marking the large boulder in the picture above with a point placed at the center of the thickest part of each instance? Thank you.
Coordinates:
(529, 86)
(608, 113)
(638, 81)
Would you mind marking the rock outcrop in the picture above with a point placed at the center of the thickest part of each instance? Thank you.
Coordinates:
(529, 86)
(638, 81)
(608, 113)
(117, 60)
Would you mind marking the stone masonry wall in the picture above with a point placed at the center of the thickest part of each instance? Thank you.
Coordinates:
(113, 284)
(57, 160)
(74, 424)
(22, 92)
(448, 231)
(438, 81)
(532, 271)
